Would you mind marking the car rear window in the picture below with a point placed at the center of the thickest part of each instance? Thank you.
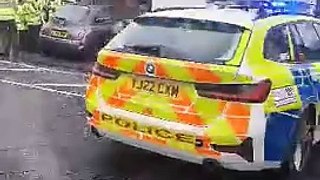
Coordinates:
(179, 38)
(71, 14)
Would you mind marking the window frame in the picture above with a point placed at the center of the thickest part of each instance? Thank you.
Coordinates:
(285, 25)
(295, 51)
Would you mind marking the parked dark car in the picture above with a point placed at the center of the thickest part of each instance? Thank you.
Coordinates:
(78, 30)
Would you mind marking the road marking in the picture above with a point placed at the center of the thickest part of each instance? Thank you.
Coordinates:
(38, 68)
(14, 63)
(18, 69)
(31, 86)
(61, 85)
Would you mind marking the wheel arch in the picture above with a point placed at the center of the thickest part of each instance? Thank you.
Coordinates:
(309, 113)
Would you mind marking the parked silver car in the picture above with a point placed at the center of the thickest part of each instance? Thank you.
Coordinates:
(77, 29)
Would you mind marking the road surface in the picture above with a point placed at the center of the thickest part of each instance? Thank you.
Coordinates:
(41, 134)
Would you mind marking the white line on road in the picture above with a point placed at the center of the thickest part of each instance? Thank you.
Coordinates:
(38, 68)
(31, 86)
(18, 69)
(14, 63)
(61, 85)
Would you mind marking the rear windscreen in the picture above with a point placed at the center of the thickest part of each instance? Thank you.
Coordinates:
(179, 38)
(71, 14)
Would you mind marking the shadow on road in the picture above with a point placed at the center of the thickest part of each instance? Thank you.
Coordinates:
(141, 165)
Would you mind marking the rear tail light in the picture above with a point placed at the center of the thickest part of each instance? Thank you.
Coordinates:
(105, 72)
(250, 93)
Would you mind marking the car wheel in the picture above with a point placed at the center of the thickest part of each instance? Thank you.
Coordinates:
(300, 150)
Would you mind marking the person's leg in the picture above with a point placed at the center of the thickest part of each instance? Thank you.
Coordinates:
(2, 36)
(22, 43)
(36, 32)
(13, 41)
(33, 37)
(24, 40)
(29, 40)
(5, 31)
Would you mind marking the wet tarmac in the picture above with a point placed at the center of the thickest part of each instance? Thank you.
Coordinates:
(42, 118)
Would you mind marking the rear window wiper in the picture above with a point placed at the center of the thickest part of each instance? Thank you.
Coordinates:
(148, 50)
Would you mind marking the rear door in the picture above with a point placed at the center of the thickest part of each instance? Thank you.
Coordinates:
(306, 41)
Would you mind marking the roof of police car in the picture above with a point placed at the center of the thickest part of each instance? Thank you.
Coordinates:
(231, 16)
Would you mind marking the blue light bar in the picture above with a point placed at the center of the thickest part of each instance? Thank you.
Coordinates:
(278, 4)
(268, 7)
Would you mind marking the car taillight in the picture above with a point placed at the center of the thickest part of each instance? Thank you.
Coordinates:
(105, 72)
(250, 93)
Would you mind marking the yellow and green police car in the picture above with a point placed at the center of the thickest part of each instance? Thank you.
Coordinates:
(222, 87)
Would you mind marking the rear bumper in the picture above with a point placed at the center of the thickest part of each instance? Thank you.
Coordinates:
(227, 160)
(234, 157)
(58, 45)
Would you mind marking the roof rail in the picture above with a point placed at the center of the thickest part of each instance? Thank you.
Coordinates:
(177, 8)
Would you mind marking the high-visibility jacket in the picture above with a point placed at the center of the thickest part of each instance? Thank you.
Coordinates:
(21, 17)
(7, 10)
(45, 11)
(33, 12)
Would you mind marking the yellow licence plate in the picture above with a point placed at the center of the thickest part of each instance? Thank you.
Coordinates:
(59, 34)
(157, 87)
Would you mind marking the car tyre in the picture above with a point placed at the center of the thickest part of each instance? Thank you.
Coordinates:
(300, 151)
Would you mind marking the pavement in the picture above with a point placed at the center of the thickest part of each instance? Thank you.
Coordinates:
(42, 116)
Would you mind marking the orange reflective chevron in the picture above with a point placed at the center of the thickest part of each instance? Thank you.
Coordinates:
(201, 72)
(93, 84)
(206, 148)
(140, 68)
(117, 100)
(112, 60)
(95, 119)
(238, 116)
(161, 70)
(168, 68)
(189, 114)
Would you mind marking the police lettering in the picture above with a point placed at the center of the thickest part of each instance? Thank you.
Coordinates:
(106, 117)
(143, 129)
(163, 133)
(185, 138)
(122, 123)
(153, 131)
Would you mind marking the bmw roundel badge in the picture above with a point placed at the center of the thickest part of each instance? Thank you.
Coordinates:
(150, 69)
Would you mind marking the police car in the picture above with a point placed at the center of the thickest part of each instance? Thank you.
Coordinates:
(235, 86)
